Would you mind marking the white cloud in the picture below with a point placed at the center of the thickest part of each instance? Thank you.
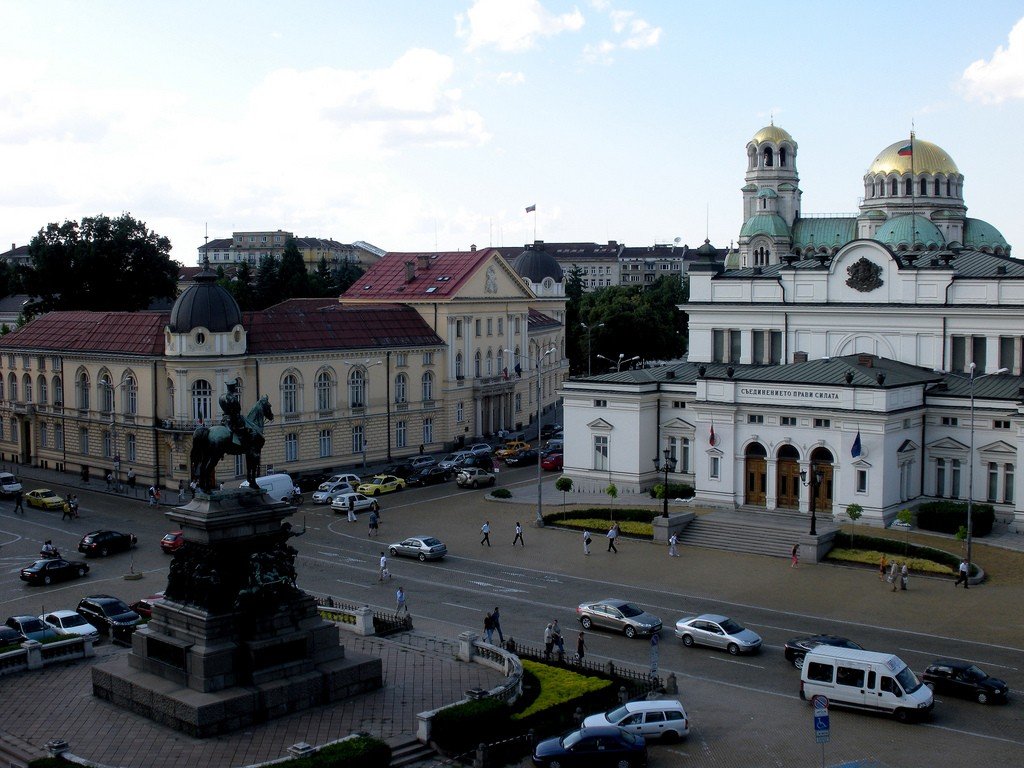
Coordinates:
(512, 25)
(1001, 77)
(632, 32)
(511, 78)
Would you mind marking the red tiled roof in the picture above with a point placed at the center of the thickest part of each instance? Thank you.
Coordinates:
(537, 320)
(128, 333)
(447, 271)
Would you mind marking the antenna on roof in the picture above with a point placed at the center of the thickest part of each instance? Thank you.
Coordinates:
(707, 221)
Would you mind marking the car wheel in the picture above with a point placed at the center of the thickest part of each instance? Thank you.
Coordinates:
(982, 697)
(688, 641)
(376, 491)
(474, 485)
(47, 580)
(734, 650)
(104, 552)
(554, 764)
(393, 552)
(630, 631)
(423, 558)
(586, 623)
(798, 662)
(670, 736)
(623, 763)
(81, 572)
(903, 715)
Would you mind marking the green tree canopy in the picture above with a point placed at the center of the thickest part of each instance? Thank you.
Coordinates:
(294, 278)
(99, 264)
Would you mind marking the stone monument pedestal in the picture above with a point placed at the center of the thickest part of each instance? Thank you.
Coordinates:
(234, 642)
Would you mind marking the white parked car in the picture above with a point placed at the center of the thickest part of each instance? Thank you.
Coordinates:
(718, 632)
(69, 623)
(455, 460)
(9, 484)
(480, 449)
(474, 477)
(328, 492)
(362, 503)
(654, 719)
(351, 479)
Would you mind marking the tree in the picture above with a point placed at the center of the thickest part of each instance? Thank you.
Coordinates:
(267, 287)
(613, 494)
(293, 276)
(906, 517)
(854, 512)
(99, 264)
(563, 484)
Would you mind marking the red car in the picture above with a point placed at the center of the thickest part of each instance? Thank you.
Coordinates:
(172, 542)
(552, 462)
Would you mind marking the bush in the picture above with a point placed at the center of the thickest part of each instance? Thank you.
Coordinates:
(874, 545)
(949, 516)
(557, 686)
(360, 752)
(461, 728)
(675, 491)
(501, 493)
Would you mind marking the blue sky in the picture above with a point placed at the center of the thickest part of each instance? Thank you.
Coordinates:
(417, 124)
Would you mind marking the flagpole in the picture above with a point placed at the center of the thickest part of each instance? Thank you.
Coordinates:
(913, 193)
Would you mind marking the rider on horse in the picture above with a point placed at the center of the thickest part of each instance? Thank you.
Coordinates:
(231, 405)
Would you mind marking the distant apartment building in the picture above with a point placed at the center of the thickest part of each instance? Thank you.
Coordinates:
(251, 247)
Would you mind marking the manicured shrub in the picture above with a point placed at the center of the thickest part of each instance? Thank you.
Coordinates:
(949, 516)
(675, 491)
(872, 546)
(461, 728)
(360, 752)
(501, 493)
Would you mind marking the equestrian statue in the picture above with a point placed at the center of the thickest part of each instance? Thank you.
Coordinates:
(235, 435)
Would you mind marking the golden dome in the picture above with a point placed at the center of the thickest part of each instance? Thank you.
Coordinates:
(772, 133)
(927, 158)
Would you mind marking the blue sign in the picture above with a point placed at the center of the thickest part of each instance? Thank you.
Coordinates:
(821, 727)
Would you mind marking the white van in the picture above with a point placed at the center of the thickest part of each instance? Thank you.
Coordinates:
(879, 682)
(9, 484)
(274, 486)
(665, 720)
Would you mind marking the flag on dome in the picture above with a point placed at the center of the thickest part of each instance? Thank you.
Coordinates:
(531, 208)
(855, 451)
(906, 151)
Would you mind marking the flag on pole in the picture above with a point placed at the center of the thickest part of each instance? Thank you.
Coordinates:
(855, 451)
(711, 438)
(531, 208)
(906, 150)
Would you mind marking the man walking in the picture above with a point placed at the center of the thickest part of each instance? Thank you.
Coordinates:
(485, 529)
(961, 574)
(18, 507)
(613, 534)
(496, 621)
(549, 641)
(400, 603)
(384, 573)
(673, 542)
(489, 628)
(894, 575)
(351, 507)
(586, 542)
(374, 522)
(519, 535)
(131, 478)
(152, 496)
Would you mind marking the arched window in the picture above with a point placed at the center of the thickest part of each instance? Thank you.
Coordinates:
(202, 400)
(401, 388)
(782, 157)
(924, 187)
(129, 395)
(289, 394)
(43, 390)
(949, 188)
(769, 157)
(356, 388)
(908, 187)
(459, 366)
(26, 385)
(106, 394)
(894, 187)
(58, 390)
(324, 391)
(428, 386)
(490, 363)
(476, 364)
(170, 396)
(12, 386)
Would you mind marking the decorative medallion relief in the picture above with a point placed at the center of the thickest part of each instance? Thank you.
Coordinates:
(864, 275)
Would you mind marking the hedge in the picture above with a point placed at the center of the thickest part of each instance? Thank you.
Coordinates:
(501, 493)
(461, 728)
(950, 516)
(360, 752)
(896, 547)
(675, 491)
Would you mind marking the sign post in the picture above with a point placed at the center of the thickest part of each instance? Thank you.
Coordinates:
(821, 722)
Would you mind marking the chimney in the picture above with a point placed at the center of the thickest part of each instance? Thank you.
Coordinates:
(472, 248)
(865, 360)
(424, 260)
(799, 357)
(410, 271)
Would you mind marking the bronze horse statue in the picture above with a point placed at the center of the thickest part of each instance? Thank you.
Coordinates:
(210, 444)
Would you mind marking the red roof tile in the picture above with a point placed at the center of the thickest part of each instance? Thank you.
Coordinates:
(126, 333)
(537, 320)
(446, 272)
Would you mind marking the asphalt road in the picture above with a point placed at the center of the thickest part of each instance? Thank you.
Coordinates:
(744, 711)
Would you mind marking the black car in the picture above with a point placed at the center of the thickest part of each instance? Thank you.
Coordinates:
(110, 615)
(103, 543)
(310, 481)
(592, 747)
(548, 430)
(430, 476)
(53, 569)
(522, 459)
(403, 471)
(10, 636)
(478, 460)
(963, 679)
(798, 647)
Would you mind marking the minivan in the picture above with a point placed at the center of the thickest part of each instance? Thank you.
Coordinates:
(275, 486)
(651, 719)
(867, 680)
(9, 484)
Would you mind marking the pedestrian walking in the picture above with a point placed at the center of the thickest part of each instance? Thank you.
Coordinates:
(351, 508)
(557, 640)
(894, 575)
(496, 620)
(961, 573)
(613, 534)
(74, 507)
(519, 535)
(66, 508)
(152, 496)
(18, 506)
(586, 542)
(400, 602)
(374, 523)
(110, 480)
(882, 563)
(549, 641)
(489, 628)
(156, 496)
(794, 557)
(181, 491)
(673, 543)
(384, 572)
(904, 577)
(581, 648)
(131, 478)
(485, 529)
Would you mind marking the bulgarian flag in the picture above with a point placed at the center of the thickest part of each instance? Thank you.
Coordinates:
(711, 437)
(906, 151)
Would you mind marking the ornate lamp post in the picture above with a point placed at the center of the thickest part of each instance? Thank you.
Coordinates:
(669, 465)
(621, 361)
(817, 475)
(589, 329)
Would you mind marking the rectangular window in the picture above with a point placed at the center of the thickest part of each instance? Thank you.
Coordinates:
(130, 448)
(678, 403)
(755, 418)
(490, 326)
(458, 329)
(477, 326)
(940, 477)
(83, 440)
(1008, 483)
(775, 355)
(734, 346)
(819, 673)
(428, 358)
(684, 463)
(958, 354)
(993, 482)
(108, 445)
(519, 402)
(954, 478)
(717, 346)
(601, 452)
(428, 431)
(460, 414)
(357, 439)
(401, 438)
(600, 403)
(978, 350)
(862, 481)
(58, 437)
(715, 468)
(326, 444)
(759, 347)
(850, 676)
(787, 421)
(907, 423)
(949, 421)
(1006, 352)
(1000, 424)
(501, 326)
(43, 436)
(822, 423)
(401, 359)
(291, 447)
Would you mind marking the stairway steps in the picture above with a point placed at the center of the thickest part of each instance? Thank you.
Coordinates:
(749, 538)
(411, 752)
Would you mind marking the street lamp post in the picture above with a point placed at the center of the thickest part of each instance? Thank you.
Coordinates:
(814, 482)
(540, 512)
(621, 361)
(669, 465)
(588, 329)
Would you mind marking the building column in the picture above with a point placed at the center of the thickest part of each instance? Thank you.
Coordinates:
(771, 498)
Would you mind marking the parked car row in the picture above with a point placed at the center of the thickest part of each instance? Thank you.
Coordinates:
(96, 615)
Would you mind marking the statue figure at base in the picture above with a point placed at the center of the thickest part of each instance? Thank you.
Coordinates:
(235, 435)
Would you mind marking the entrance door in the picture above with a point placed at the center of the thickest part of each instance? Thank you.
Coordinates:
(788, 483)
(756, 481)
(823, 501)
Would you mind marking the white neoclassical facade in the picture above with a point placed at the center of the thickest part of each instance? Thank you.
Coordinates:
(839, 345)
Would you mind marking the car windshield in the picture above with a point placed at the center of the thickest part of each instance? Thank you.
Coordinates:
(48, 495)
(730, 627)
(908, 680)
(628, 609)
(114, 607)
(572, 739)
(170, 537)
(72, 620)
(32, 625)
(431, 542)
(973, 673)
(615, 715)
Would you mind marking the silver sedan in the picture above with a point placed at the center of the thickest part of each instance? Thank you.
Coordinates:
(717, 632)
(618, 616)
(420, 547)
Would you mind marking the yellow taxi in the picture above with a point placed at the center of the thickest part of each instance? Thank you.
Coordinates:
(44, 498)
(511, 448)
(381, 484)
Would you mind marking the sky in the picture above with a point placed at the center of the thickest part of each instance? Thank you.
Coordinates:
(433, 124)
